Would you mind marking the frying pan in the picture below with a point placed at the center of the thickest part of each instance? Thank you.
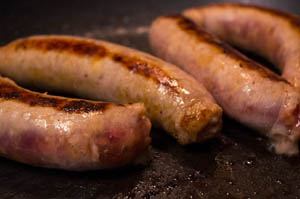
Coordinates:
(236, 164)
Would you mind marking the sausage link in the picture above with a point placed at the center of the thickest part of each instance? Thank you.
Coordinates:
(273, 34)
(105, 71)
(248, 92)
(71, 134)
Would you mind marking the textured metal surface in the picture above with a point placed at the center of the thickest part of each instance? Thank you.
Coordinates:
(237, 164)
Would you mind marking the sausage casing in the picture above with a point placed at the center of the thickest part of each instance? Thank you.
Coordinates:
(103, 71)
(273, 34)
(248, 92)
(71, 134)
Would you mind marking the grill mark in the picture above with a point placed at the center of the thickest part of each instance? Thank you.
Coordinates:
(141, 67)
(9, 91)
(88, 48)
(189, 27)
(82, 48)
(292, 19)
(82, 106)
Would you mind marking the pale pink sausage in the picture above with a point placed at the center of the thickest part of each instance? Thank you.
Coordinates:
(248, 92)
(270, 33)
(71, 134)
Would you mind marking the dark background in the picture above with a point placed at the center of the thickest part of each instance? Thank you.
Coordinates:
(237, 164)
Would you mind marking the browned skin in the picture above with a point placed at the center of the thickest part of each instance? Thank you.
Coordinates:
(71, 134)
(189, 27)
(147, 70)
(78, 47)
(86, 48)
(248, 92)
(100, 70)
(270, 33)
(12, 92)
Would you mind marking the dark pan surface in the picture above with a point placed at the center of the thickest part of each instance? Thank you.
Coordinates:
(237, 164)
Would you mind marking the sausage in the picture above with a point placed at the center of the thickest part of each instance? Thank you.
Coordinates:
(272, 34)
(100, 70)
(248, 92)
(71, 134)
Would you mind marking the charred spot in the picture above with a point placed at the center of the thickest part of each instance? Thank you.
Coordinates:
(191, 28)
(148, 70)
(117, 58)
(166, 83)
(13, 95)
(79, 47)
(83, 106)
(140, 68)
(23, 46)
(88, 49)
(42, 101)
(130, 63)
(52, 45)
(10, 91)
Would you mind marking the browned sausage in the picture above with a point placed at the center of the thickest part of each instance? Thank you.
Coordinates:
(270, 33)
(104, 71)
(248, 92)
(71, 134)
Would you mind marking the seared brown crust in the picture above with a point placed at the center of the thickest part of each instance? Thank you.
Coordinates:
(191, 28)
(10, 91)
(147, 70)
(82, 48)
(71, 134)
(270, 33)
(97, 51)
(101, 70)
(247, 91)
